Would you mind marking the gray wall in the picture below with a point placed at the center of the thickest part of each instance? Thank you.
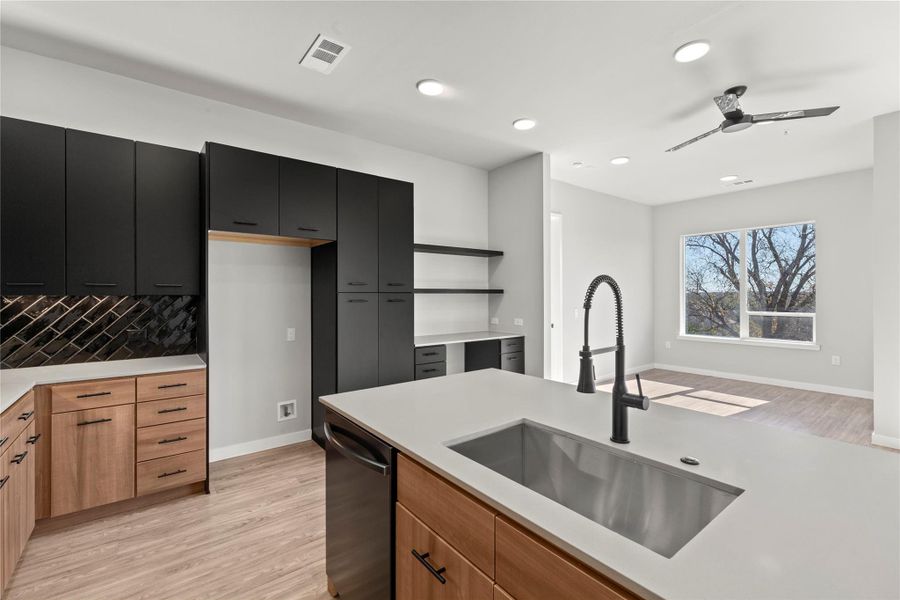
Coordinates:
(886, 263)
(518, 219)
(605, 234)
(841, 206)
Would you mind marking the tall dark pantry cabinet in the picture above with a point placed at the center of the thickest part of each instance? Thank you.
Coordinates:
(362, 300)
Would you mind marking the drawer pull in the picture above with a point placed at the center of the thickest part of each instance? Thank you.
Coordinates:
(250, 223)
(357, 283)
(429, 370)
(33, 439)
(90, 284)
(430, 353)
(94, 422)
(178, 472)
(168, 285)
(19, 458)
(26, 415)
(396, 300)
(163, 411)
(357, 300)
(394, 284)
(170, 385)
(423, 558)
(4, 439)
(24, 283)
(307, 229)
(94, 395)
(180, 438)
(511, 357)
(3, 481)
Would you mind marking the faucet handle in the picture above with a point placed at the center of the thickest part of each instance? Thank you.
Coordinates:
(637, 376)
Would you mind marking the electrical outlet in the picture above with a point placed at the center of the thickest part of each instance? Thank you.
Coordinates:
(291, 334)
(836, 360)
(287, 410)
(668, 345)
(495, 321)
(519, 322)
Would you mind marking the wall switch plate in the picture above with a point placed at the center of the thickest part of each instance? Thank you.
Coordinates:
(668, 345)
(495, 321)
(287, 410)
(519, 322)
(836, 360)
(291, 334)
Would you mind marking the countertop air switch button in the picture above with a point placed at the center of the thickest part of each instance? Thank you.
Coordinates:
(690, 460)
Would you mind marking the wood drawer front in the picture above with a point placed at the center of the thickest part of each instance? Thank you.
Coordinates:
(92, 458)
(170, 410)
(15, 419)
(171, 471)
(531, 569)
(501, 594)
(462, 581)
(512, 345)
(91, 394)
(462, 521)
(169, 439)
(431, 354)
(171, 385)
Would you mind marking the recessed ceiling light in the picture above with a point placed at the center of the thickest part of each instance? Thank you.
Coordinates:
(577, 164)
(430, 87)
(728, 178)
(619, 160)
(524, 124)
(691, 51)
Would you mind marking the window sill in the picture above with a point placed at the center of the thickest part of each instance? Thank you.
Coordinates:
(748, 342)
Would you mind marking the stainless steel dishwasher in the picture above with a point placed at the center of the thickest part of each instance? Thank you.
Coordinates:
(360, 490)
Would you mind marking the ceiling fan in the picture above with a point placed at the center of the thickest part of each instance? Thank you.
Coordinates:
(736, 119)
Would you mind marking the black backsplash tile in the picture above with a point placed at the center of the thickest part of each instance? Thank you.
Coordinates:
(55, 330)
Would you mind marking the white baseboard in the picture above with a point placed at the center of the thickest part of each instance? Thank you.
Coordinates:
(217, 454)
(885, 440)
(800, 385)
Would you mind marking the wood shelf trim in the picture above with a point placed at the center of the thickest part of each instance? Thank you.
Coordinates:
(457, 291)
(272, 240)
(456, 250)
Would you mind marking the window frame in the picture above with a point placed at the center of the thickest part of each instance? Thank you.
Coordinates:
(743, 297)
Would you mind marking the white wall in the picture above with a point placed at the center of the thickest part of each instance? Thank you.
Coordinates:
(450, 199)
(841, 206)
(605, 234)
(518, 219)
(886, 264)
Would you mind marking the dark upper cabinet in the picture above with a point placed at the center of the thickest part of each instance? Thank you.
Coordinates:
(33, 208)
(167, 198)
(99, 214)
(243, 190)
(395, 236)
(307, 200)
(357, 341)
(357, 228)
(395, 339)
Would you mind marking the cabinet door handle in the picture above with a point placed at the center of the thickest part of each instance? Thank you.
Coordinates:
(307, 229)
(93, 284)
(26, 415)
(178, 472)
(250, 223)
(396, 300)
(180, 438)
(33, 439)
(357, 283)
(438, 573)
(357, 300)
(19, 458)
(170, 410)
(94, 395)
(25, 284)
(170, 385)
(3, 481)
(94, 422)
(4, 439)
(168, 285)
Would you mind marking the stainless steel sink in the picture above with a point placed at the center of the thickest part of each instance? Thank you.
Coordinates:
(657, 506)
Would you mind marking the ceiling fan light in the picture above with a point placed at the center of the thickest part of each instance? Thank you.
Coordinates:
(691, 51)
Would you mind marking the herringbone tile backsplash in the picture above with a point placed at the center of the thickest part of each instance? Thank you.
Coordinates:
(55, 330)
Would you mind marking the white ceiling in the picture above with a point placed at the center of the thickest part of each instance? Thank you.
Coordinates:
(597, 76)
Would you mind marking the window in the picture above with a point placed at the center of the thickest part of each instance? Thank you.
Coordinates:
(770, 296)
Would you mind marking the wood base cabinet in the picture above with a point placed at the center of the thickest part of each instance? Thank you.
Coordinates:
(16, 498)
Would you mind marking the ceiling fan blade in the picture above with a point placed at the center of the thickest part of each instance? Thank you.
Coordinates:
(695, 139)
(787, 115)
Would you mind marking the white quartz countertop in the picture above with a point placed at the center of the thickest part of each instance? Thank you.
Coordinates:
(819, 519)
(460, 338)
(16, 382)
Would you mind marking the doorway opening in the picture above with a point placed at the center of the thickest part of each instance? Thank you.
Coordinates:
(556, 299)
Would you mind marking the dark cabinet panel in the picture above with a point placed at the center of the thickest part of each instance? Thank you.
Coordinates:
(167, 196)
(33, 208)
(99, 214)
(307, 200)
(395, 236)
(357, 221)
(243, 190)
(513, 361)
(482, 355)
(395, 339)
(429, 370)
(357, 341)
(323, 277)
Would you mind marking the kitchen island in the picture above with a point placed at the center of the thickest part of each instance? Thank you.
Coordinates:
(816, 518)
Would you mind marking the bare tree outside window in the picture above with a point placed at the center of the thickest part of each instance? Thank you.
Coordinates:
(780, 283)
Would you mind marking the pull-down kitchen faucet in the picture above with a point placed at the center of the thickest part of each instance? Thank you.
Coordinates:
(622, 400)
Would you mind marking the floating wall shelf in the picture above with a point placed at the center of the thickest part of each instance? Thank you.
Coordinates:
(455, 250)
(457, 291)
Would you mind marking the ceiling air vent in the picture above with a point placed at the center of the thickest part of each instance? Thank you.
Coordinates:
(324, 55)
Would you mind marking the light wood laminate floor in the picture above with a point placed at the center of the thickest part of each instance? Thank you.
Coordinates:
(260, 535)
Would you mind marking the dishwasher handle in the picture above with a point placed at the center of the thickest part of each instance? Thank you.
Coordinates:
(374, 465)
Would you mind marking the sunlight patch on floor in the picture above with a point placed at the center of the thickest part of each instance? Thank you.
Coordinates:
(728, 398)
(653, 389)
(710, 407)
